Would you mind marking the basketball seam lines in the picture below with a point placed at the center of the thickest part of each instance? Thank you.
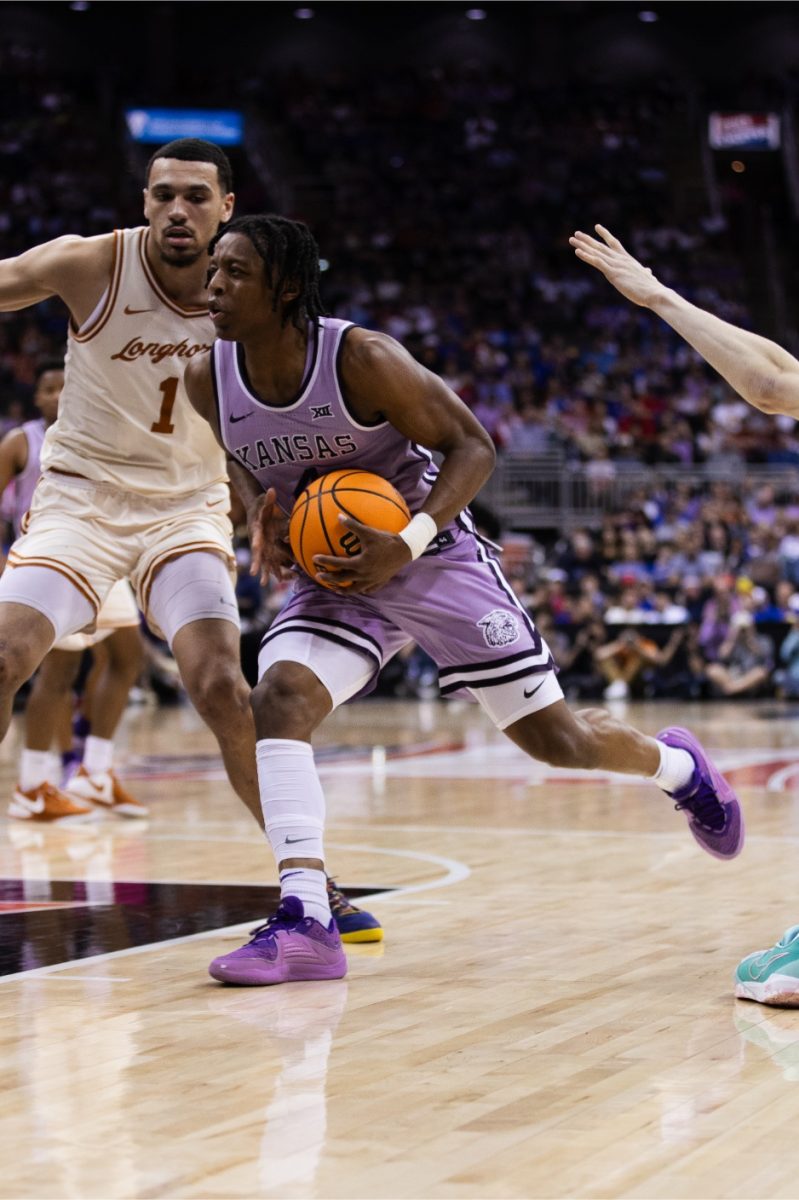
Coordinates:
(318, 496)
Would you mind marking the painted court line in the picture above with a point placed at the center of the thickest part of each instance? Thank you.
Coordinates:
(93, 959)
(88, 978)
(455, 873)
(477, 831)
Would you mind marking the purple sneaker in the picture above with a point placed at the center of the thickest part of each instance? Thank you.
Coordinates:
(288, 948)
(715, 817)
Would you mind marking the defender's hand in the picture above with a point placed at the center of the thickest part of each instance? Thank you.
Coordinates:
(627, 275)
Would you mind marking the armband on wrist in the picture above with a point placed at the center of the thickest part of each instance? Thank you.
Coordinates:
(418, 533)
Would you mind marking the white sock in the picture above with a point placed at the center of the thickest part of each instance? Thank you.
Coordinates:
(675, 770)
(293, 805)
(309, 886)
(38, 766)
(98, 755)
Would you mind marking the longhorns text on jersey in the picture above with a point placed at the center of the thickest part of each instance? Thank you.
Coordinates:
(124, 417)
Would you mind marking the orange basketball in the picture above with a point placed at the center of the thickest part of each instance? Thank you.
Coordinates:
(314, 526)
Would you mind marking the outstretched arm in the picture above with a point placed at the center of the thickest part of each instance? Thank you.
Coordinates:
(761, 371)
(74, 268)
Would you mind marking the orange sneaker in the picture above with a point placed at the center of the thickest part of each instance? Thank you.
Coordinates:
(105, 792)
(48, 805)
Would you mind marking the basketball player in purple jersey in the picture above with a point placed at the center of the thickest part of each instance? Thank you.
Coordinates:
(291, 393)
(134, 484)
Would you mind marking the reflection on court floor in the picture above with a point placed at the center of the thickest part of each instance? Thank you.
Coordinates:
(550, 1014)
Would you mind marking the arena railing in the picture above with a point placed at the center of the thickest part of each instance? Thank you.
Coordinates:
(544, 491)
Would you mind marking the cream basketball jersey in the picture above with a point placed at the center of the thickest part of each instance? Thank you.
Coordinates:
(124, 418)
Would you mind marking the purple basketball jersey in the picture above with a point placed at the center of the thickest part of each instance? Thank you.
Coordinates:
(453, 600)
(25, 483)
(287, 446)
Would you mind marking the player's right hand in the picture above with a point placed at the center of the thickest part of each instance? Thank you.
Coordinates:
(628, 276)
(269, 539)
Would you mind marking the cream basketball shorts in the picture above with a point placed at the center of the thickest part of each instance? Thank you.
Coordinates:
(119, 611)
(94, 534)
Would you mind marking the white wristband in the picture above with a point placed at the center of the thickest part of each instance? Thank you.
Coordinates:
(418, 533)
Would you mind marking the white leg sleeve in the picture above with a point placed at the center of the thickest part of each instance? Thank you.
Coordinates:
(293, 805)
(51, 594)
(195, 587)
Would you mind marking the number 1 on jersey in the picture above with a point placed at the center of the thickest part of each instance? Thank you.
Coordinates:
(169, 387)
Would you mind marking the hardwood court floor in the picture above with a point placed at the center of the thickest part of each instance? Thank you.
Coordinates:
(550, 1015)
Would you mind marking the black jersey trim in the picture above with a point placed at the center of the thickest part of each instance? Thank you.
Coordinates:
(322, 633)
(488, 663)
(342, 391)
(455, 685)
(353, 629)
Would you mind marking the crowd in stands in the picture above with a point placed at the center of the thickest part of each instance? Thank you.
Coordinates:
(450, 195)
(453, 194)
(693, 591)
(449, 202)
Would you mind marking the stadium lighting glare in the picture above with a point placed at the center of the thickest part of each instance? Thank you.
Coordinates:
(80, 5)
(648, 16)
(475, 14)
(324, 265)
(737, 166)
(304, 14)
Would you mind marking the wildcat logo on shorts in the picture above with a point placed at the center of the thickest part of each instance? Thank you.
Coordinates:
(500, 628)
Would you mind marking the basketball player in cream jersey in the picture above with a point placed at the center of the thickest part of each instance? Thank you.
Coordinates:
(134, 484)
(48, 711)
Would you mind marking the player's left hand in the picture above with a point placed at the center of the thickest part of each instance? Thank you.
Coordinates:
(627, 274)
(380, 557)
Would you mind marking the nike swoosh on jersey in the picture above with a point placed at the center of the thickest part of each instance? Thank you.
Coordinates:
(533, 691)
(134, 312)
(243, 417)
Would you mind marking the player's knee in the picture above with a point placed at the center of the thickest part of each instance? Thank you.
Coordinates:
(288, 702)
(218, 691)
(16, 666)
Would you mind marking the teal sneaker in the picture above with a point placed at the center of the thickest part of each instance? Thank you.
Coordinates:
(772, 976)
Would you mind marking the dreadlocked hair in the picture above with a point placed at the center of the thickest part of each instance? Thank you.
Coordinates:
(291, 257)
